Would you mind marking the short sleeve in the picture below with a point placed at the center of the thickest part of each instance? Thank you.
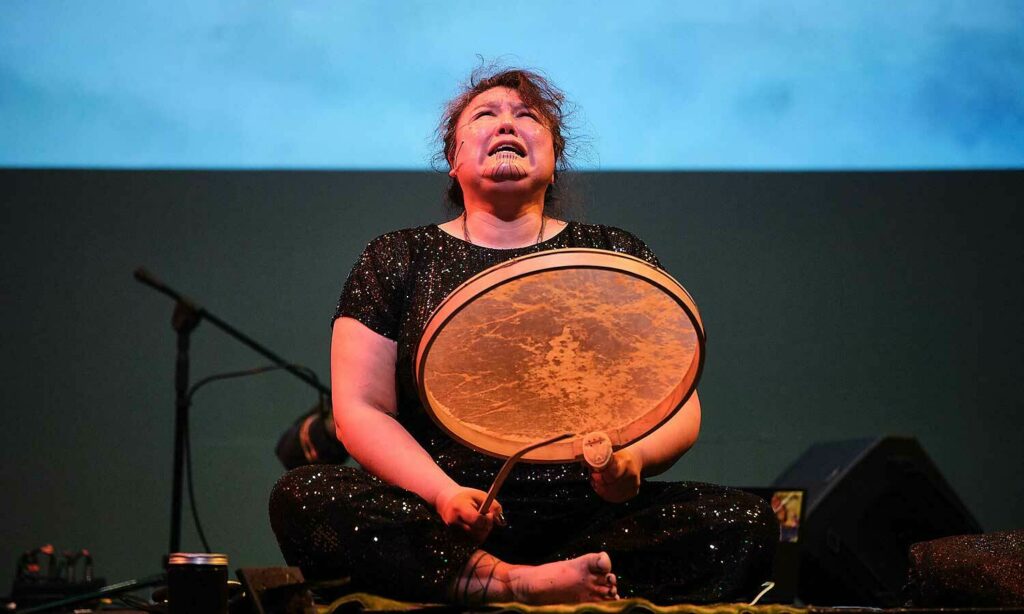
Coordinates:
(627, 243)
(373, 293)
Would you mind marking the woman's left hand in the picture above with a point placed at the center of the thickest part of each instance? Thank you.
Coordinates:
(619, 481)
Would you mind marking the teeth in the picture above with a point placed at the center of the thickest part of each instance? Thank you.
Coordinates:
(509, 148)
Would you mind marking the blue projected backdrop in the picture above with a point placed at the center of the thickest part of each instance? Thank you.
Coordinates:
(660, 85)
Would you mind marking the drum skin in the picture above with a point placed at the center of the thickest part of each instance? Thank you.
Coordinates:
(564, 341)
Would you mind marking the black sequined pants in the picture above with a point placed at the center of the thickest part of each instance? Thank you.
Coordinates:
(674, 542)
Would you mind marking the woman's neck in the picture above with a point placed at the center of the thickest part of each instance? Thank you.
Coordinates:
(500, 230)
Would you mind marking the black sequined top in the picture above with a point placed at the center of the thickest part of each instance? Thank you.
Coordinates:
(395, 286)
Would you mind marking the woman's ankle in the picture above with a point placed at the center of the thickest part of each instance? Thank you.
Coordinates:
(484, 579)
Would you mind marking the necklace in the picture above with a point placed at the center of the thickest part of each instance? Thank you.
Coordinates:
(465, 229)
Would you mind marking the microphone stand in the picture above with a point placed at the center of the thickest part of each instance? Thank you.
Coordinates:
(187, 316)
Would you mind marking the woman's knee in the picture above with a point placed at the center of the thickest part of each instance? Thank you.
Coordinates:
(301, 488)
(763, 523)
(310, 498)
(311, 516)
(741, 521)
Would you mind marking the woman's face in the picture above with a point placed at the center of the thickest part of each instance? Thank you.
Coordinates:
(502, 145)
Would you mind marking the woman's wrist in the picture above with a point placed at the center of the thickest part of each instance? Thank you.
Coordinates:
(444, 495)
(636, 453)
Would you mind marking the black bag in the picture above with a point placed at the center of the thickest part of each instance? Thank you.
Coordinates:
(311, 440)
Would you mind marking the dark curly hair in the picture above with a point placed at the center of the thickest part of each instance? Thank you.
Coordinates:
(537, 92)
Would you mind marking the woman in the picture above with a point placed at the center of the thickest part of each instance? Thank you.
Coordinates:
(408, 526)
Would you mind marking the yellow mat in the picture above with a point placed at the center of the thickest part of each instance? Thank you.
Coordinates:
(365, 602)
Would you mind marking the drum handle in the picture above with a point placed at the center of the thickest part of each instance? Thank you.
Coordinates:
(511, 462)
(596, 450)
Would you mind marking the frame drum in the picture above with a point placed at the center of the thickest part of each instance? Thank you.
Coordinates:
(578, 341)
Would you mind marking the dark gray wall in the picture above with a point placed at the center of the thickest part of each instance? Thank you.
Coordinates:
(837, 305)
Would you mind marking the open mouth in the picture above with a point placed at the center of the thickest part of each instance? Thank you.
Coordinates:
(509, 148)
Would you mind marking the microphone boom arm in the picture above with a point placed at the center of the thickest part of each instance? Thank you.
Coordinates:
(145, 277)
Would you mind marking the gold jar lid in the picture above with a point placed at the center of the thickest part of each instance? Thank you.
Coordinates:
(197, 558)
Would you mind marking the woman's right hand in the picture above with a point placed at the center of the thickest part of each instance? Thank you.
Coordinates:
(458, 507)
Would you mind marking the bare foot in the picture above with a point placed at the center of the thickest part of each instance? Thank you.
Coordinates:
(487, 579)
(586, 578)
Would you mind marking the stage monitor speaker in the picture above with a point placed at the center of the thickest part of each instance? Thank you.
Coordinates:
(868, 500)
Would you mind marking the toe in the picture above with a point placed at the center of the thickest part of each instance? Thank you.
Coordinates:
(610, 594)
(610, 580)
(601, 563)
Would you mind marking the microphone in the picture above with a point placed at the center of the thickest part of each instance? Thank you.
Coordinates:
(143, 276)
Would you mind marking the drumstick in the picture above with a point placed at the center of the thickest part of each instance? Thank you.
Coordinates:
(507, 467)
